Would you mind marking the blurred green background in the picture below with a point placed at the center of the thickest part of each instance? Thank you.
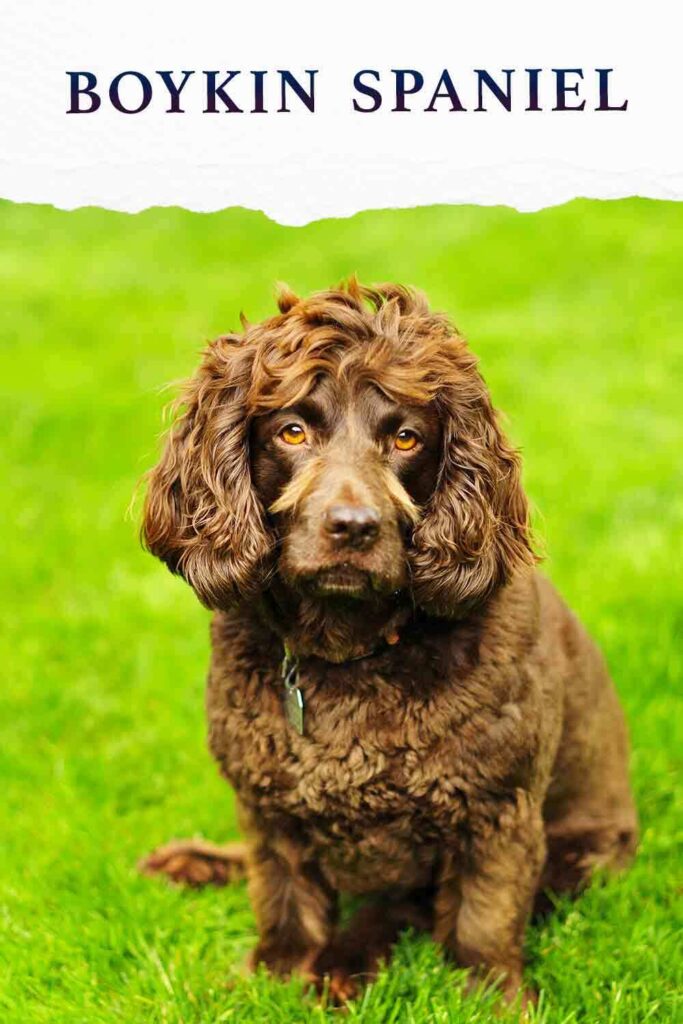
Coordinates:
(577, 315)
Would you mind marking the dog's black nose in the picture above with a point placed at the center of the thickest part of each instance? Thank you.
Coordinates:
(354, 526)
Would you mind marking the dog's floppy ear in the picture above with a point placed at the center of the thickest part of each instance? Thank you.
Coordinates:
(201, 515)
(474, 534)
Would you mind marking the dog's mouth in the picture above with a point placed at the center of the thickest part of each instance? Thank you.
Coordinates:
(342, 581)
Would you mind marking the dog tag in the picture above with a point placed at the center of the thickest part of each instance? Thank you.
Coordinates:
(294, 698)
(294, 709)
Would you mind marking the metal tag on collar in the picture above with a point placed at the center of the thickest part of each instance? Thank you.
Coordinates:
(294, 698)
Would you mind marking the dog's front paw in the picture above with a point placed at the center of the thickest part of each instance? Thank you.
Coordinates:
(513, 993)
(284, 959)
(519, 996)
(336, 976)
(337, 987)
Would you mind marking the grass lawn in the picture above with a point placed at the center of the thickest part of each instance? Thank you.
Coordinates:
(577, 314)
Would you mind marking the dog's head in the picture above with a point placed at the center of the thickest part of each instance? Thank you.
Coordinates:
(347, 446)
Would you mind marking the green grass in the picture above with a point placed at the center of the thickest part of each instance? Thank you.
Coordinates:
(577, 314)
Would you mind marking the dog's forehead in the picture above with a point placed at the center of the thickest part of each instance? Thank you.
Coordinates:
(339, 397)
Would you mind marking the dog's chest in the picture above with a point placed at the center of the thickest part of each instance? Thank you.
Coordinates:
(366, 770)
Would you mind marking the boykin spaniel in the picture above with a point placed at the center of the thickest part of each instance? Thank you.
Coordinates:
(405, 707)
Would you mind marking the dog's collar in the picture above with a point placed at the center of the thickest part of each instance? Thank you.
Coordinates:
(291, 680)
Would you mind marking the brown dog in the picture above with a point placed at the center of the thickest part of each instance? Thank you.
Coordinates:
(442, 733)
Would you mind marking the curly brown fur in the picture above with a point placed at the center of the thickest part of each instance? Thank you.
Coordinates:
(464, 748)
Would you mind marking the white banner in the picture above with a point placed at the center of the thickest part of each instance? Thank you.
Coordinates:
(306, 110)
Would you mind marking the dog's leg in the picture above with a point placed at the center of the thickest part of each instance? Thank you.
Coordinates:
(196, 862)
(295, 908)
(590, 818)
(483, 904)
(353, 956)
(576, 849)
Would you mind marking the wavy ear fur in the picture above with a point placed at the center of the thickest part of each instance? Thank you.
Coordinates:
(201, 515)
(474, 535)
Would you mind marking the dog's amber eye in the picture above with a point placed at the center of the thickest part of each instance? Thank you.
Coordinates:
(405, 440)
(293, 434)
